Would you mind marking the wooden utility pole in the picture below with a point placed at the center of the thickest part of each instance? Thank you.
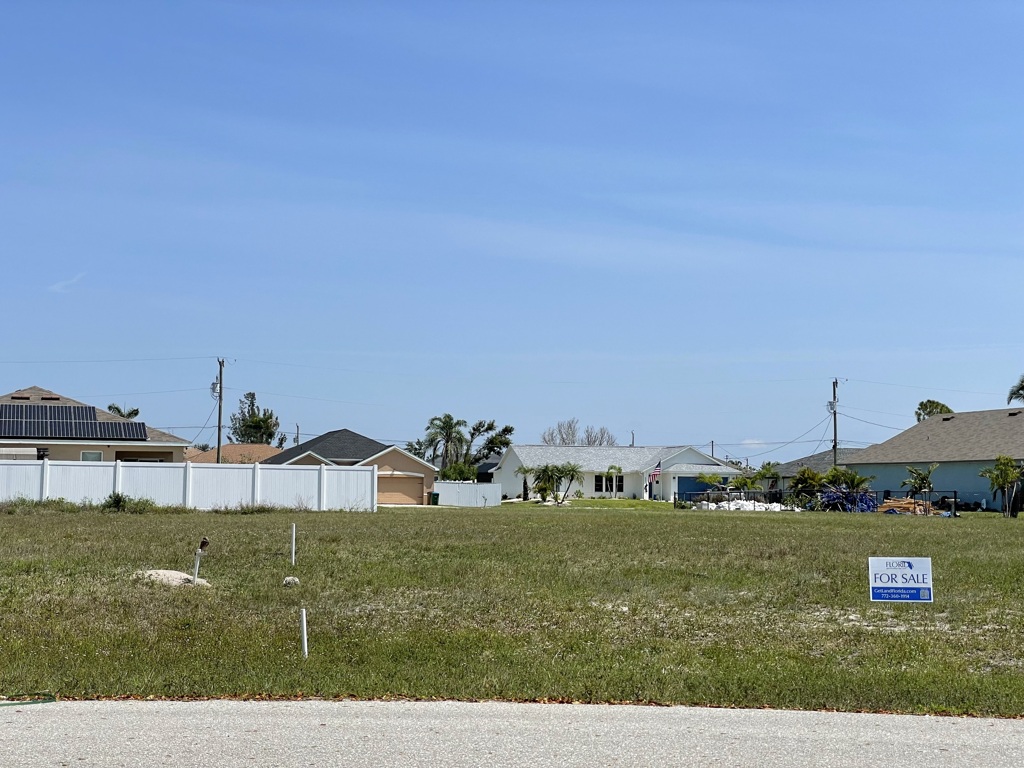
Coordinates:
(220, 404)
(835, 426)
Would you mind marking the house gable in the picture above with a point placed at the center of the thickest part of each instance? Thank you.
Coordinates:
(342, 447)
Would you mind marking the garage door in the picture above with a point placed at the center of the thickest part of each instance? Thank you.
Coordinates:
(399, 490)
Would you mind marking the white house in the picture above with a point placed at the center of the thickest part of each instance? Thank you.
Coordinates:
(647, 471)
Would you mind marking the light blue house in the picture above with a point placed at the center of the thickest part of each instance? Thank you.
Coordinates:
(962, 444)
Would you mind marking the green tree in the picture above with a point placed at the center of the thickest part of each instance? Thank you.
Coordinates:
(458, 471)
(446, 439)
(254, 425)
(418, 448)
(613, 471)
(744, 483)
(847, 479)
(919, 480)
(1004, 477)
(571, 473)
(1016, 393)
(525, 471)
(806, 482)
(454, 441)
(204, 447)
(496, 441)
(768, 475)
(124, 413)
(546, 479)
(710, 479)
(927, 408)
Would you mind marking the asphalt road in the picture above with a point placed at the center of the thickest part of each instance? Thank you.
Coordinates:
(226, 734)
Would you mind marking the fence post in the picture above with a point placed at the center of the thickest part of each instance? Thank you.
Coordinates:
(117, 477)
(321, 495)
(255, 483)
(188, 484)
(44, 481)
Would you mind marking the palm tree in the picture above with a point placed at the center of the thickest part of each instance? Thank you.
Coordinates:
(768, 471)
(573, 473)
(709, 479)
(1004, 477)
(446, 438)
(525, 471)
(124, 413)
(609, 475)
(1016, 392)
(841, 477)
(546, 479)
(920, 480)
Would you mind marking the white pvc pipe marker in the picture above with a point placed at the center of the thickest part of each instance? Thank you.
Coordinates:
(302, 629)
(195, 568)
(293, 543)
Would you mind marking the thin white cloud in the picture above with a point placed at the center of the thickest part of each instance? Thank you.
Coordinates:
(64, 286)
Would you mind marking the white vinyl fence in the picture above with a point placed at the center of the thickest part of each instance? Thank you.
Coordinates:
(201, 486)
(467, 494)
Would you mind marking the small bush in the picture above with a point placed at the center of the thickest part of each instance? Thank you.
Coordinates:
(122, 502)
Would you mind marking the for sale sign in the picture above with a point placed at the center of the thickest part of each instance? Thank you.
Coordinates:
(900, 579)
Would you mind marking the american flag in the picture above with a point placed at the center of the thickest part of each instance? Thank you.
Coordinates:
(655, 473)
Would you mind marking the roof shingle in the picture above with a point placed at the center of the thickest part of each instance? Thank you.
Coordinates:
(968, 436)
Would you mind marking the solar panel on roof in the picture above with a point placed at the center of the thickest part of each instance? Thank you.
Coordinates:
(66, 422)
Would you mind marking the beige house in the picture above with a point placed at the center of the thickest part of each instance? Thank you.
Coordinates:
(36, 423)
(401, 477)
(233, 453)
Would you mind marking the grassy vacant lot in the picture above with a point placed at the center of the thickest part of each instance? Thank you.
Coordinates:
(585, 604)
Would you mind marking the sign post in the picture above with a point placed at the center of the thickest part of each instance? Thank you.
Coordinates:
(900, 579)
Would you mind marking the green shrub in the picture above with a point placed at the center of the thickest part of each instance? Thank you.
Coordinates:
(122, 502)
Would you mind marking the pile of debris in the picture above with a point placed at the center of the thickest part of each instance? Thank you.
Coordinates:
(907, 507)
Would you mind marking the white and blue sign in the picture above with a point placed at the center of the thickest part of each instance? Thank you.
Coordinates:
(900, 579)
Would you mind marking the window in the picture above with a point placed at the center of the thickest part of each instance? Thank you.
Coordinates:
(619, 484)
(598, 483)
(92, 455)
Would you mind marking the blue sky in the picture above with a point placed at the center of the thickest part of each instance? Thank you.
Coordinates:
(677, 219)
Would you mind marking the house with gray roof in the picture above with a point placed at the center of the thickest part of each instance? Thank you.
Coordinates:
(401, 477)
(657, 472)
(962, 444)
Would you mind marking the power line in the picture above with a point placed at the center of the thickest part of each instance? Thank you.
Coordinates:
(133, 394)
(302, 397)
(763, 453)
(924, 389)
(203, 428)
(883, 426)
(112, 360)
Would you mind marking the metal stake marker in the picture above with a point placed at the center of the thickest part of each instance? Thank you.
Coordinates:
(302, 629)
(199, 553)
(293, 543)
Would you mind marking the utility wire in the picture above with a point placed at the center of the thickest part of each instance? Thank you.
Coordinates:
(883, 426)
(754, 455)
(203, 428)
(924, 389)
(113, 360)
